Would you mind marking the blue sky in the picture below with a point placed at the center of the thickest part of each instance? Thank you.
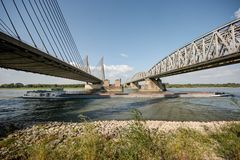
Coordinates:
(133, 35)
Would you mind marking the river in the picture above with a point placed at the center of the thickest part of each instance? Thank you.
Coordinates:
(13, 109)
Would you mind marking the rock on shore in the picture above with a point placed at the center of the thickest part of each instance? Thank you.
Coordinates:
(29, 132)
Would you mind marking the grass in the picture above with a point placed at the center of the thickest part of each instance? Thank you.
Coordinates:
(7, 142)
(188, 144)
(228, 140)
(133, 143)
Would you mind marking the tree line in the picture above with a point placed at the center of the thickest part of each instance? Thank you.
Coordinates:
(21, 85)
(201, 85)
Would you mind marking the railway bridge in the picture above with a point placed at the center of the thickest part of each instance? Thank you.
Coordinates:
(219, 47)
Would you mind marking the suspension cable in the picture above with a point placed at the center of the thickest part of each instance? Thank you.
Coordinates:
(34, 26)
(6, 28)
(10, 20)
(42, 28)
(57, 30)
(68, 29)
(49, 22)
(24, 24)
(63, 32)
(48, 29)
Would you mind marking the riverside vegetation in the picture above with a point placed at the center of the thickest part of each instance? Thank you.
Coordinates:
(235, 85)
(26, 86)
(136, 141)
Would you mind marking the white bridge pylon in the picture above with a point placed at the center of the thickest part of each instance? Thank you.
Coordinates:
(98, 70)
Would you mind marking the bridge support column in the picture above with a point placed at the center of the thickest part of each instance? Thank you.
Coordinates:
(116, 87)
(153, 85)
(134, 85)
(93, 87)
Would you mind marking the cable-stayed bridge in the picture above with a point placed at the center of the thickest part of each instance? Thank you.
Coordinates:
(34, 37)
(219, 47)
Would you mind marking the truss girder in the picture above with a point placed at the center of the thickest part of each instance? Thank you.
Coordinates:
(214, 48)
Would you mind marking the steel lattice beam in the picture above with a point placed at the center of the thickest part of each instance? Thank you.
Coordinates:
(217, 48)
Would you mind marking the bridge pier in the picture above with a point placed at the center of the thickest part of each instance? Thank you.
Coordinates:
(116, 87)
(134, 85)
(153, 85)
(92, 87)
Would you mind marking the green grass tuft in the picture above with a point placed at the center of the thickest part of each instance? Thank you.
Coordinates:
(188, 144)
(228, 140)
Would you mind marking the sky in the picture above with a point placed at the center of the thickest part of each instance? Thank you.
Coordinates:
(133, 35)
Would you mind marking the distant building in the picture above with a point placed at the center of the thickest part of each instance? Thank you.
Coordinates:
(106, 83)
(117, 83)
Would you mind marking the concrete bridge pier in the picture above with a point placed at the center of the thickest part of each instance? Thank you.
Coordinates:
(134, 85)
(93, 87)
(116, 87)
(153, 85)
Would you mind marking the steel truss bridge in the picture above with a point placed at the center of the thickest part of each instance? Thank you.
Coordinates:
(219, 47)
(34, 37)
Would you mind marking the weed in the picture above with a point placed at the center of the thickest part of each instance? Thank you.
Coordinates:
(228, 139)
(7, 142)
(187, 144)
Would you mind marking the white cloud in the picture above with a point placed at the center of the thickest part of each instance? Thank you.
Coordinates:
(237, 13)
(118, 71)
(124, 55)
(118, 68)
(113, 72)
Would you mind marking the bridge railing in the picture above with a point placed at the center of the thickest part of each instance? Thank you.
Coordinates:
(138, 76)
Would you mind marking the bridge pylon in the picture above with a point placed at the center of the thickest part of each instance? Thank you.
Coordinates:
(97, 71)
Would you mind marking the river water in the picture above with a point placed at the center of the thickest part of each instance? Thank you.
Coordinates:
(14, 109)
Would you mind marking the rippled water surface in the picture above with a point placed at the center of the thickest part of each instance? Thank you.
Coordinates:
(180, 109)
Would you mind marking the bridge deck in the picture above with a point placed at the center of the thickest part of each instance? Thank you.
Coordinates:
(17, 55)
(218, 62)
